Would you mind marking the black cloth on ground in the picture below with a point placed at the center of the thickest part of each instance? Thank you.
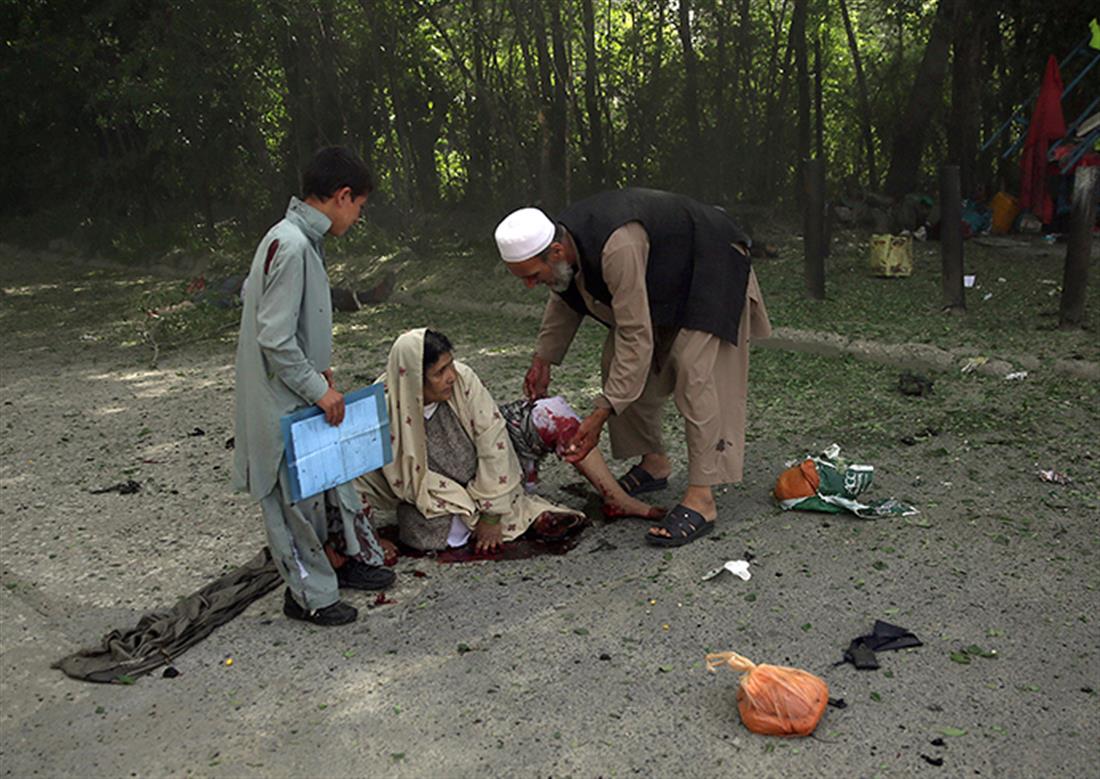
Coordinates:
(884, 637)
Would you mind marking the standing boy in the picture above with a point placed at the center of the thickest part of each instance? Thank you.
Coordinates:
(284, 357)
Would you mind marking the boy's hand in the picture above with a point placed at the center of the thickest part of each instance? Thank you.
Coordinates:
(328, 377)
(332, 403)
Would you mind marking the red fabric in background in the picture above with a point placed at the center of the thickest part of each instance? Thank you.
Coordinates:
(1047, 125)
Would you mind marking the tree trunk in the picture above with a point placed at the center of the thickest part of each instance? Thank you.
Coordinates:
(691, 169)
(738, 130)
(861, 93)
(722, 101)
(651, 92)
(776, 135)
(480, 172)
(925, 98)
(1075, 277)
(798, 40)
(559, 116)
(297, 112)
(549, 191)
(331, 123)
(813, 226)
(532, 71)
(819, 114)
(951, 241)
(596, 175)
(964, 125)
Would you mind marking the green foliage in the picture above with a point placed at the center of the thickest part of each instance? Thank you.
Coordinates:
(146, 123)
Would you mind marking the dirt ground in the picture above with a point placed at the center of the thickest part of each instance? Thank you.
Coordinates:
(589, 664)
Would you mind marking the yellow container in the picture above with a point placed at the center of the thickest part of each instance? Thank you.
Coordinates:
(1005, 209)
(892, 255)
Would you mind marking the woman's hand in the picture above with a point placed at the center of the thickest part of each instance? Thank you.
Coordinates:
(487, 537)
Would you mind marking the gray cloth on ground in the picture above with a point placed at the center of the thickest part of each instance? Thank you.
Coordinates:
(161, 636)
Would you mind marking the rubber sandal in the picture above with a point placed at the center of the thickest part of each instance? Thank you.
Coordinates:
(683, 525)
(638, 480)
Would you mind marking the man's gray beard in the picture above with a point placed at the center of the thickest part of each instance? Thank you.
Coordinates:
(563, 276)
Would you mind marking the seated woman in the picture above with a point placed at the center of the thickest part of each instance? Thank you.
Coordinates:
(455, 471)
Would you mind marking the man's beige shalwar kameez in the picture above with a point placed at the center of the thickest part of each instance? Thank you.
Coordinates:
(641, 366)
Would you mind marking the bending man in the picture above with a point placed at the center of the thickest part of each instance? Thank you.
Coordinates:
(671, 279)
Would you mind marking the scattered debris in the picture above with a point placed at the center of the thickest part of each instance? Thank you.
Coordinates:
(230, 442)
(1016, 376)
(603, 545)
(964, 655)
(936, 761)
(128, 487)
(196, 432)
(914, 384)
(973, 363)
(883, 637)
(382, 600)
(171, 672)
(838, 703)
(1029, 224)
(892, 255)
(969, 281)
(922, 435)
(829, 484)
(1054, 477)
(775, 700)
(739, 568)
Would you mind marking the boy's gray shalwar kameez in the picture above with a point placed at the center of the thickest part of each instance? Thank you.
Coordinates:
(284, 346)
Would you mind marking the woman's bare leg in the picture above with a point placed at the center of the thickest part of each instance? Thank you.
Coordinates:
(616, 502)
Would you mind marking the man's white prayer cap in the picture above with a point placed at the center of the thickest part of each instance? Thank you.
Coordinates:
(523, 234)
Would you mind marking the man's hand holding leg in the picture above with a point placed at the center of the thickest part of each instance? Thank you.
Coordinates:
(537, 380)
(587, 435)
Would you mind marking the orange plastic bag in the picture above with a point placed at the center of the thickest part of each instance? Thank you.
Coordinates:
(799, 481)
(775, 700)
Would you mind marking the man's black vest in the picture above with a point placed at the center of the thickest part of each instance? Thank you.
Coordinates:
(695, 278)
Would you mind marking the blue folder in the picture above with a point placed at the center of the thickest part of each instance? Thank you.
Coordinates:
(320, 456)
